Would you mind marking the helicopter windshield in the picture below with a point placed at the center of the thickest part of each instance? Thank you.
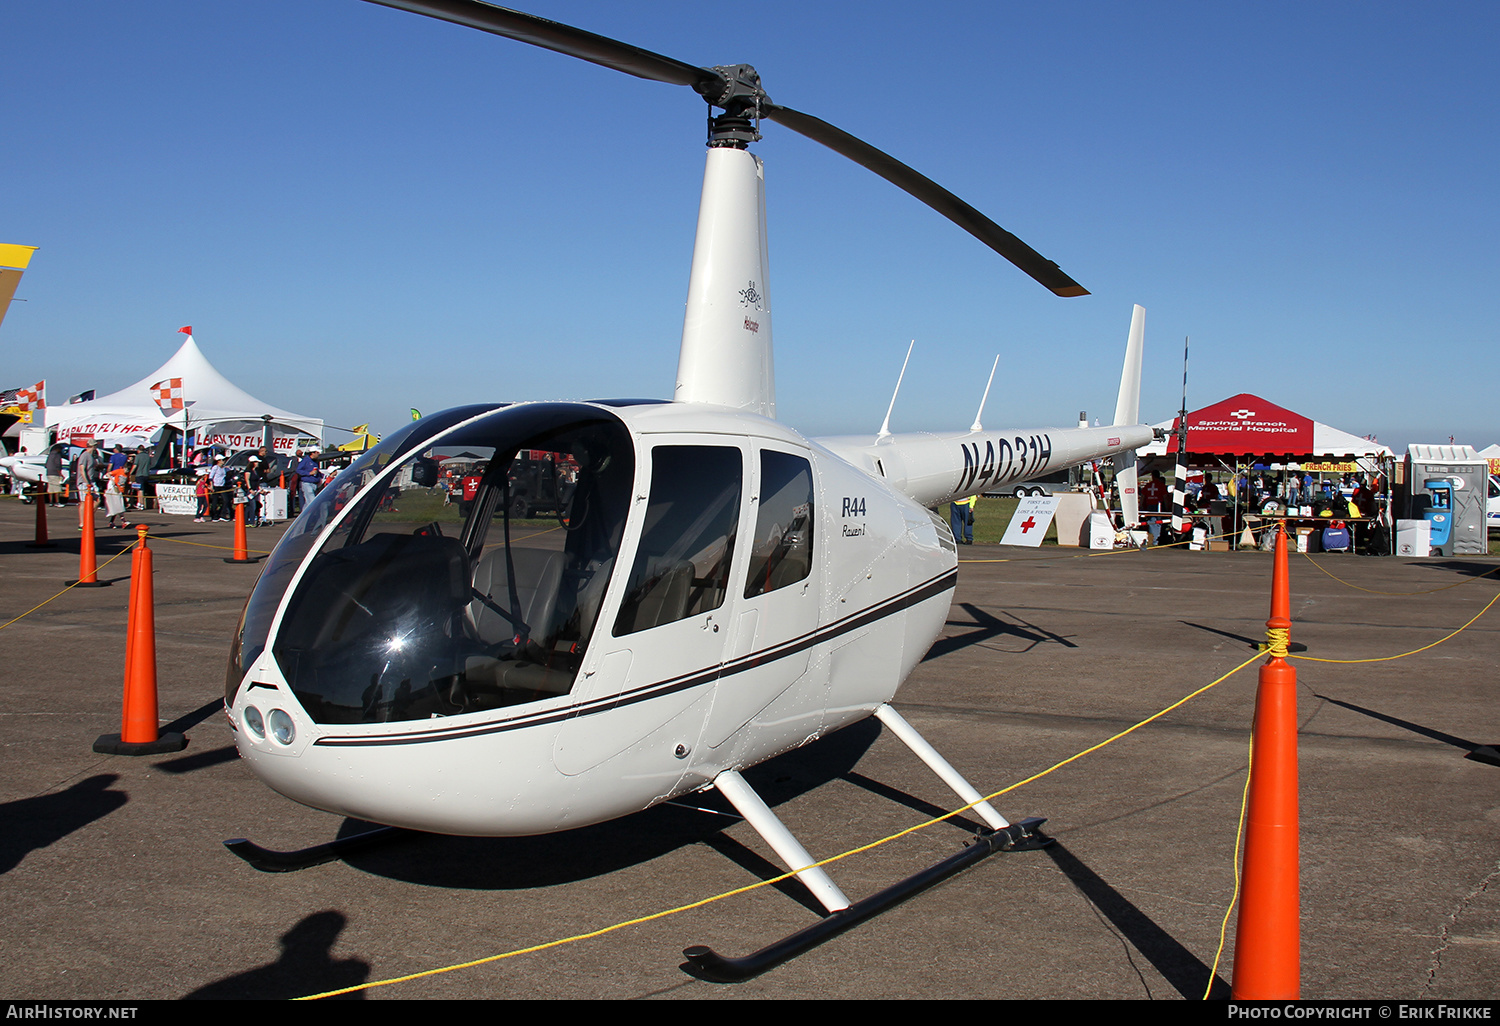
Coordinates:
(469, 577)
(255, 620)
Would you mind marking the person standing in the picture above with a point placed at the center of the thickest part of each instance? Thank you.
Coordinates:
(54, 474)
(204, 491)
(144, 457)
(114, 497)
(218, 479)
(1154, 492)
(309, 477)
(962, 520)
(249, 483)
(85, 476)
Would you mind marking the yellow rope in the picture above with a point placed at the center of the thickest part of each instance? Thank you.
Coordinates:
(206, 545)
(1277, 640)
(1428, 591)
(69, 588)
(1101, 552)
(1403, 655)
(784, 876)
(1239, 836)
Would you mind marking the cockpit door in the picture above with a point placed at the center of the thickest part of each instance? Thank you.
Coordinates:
(674, 607)
(778, 595)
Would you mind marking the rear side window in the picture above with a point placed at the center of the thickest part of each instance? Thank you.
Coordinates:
(781, 551)
(681, 568)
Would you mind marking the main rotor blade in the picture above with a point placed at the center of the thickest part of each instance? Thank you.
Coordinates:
(712, 85)
(929, 192)
(551, 35)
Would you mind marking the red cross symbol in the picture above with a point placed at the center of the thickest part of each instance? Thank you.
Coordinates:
(1028, 524)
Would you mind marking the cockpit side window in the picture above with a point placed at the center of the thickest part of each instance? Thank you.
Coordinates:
(781, 551)
(682, 564)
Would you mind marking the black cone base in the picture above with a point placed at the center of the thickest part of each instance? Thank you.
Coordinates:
(165, 744)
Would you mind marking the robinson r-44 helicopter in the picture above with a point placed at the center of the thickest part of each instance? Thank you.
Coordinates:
(719, 590)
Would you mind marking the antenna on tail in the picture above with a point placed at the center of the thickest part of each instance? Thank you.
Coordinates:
(885, 426)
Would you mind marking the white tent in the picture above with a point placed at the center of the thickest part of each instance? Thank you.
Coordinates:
(187, 393)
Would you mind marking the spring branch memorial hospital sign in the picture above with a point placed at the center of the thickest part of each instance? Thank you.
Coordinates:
(1246, 425)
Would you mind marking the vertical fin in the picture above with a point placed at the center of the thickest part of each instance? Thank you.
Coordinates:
(1128, 412)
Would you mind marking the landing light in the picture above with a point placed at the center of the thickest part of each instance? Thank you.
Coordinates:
(253, 721)
(282, 728)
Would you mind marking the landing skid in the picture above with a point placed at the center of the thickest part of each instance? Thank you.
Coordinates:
(268, 861)
(704, 963)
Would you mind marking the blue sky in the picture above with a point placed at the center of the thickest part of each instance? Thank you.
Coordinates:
(360, 210)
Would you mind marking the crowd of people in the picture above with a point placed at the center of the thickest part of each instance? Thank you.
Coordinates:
(219, 487)
(1223, 501)
(1220, 502)
(115, 480)
(112, 480)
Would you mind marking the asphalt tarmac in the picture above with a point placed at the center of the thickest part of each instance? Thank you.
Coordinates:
(114, 883)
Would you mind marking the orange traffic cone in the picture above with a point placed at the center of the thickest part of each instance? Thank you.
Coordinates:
(88, 564)
(138, 716)
(41, 541)
(241, 543)
(1268, 960)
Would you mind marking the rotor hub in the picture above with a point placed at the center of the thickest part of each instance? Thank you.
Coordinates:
(737, 89)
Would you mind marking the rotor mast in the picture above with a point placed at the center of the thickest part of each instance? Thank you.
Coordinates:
(726, 356)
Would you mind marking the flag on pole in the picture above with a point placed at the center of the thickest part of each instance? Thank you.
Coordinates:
(82, 397)
(24, 400)
(168, 394)
(186, 329)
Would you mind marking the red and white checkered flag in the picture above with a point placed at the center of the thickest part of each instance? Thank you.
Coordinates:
(33, 398)
(168, 394)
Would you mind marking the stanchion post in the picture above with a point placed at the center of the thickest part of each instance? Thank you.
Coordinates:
(88, 562)
(241, 543)
(139, 733)
(41, 542)
(1267, 959)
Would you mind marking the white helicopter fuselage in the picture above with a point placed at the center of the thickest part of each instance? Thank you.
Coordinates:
(655, 713)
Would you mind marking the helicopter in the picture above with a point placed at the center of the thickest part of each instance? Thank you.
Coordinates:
(718, 590)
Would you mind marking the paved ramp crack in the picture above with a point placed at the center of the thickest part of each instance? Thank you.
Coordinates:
(1444, 938)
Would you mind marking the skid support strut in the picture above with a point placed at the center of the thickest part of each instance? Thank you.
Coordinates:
(1026, 835)
(759, 815)
(896, 724)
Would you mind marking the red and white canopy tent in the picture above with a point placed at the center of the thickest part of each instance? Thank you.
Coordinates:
(1246, 425)
(189, 394)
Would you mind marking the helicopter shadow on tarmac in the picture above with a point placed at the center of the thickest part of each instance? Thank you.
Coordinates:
(986, 626)
(1474, 750)
(1462, 567)
(519, 863)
